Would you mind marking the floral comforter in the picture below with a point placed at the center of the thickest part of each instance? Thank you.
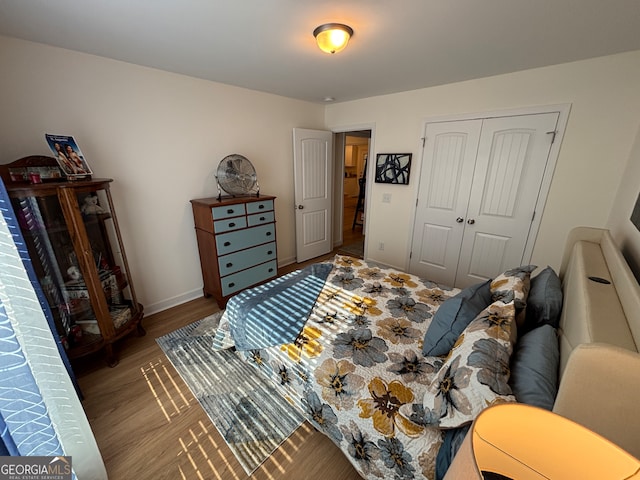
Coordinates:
(357, 361)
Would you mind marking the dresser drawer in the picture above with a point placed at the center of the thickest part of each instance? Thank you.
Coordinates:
(241, 280)
(260, 218)
(256, 207)
(227, 211)
(249, 237)
(235, 262)
(229, 224)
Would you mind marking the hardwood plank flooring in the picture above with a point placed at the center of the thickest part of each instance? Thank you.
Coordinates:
(148, 425)
(350, 234)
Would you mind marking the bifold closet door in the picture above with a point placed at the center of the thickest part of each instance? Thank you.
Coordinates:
(510, 155)
(449, 159)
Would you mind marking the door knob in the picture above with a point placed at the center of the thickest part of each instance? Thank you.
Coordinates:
(300, 207)
(459, 219)
(471, 221)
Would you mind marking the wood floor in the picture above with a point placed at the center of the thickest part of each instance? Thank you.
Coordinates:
(148, 425)
(350, 233)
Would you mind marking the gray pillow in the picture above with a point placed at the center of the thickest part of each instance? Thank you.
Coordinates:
(534, 367)
(544, 304)
(453, 316)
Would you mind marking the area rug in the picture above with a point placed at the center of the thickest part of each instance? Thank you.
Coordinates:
(353, 249)
(248, 413)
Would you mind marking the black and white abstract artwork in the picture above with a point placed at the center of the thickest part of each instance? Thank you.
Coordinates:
(393, 168)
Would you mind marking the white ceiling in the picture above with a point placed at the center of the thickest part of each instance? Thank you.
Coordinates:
(267, 45)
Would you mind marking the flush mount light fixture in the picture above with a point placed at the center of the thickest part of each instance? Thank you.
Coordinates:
(332, 37)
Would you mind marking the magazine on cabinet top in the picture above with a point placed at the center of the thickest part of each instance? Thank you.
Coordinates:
(67, 152)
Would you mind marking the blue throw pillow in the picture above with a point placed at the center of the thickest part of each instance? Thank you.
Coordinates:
(544, 304)
(453, 316)
(453, 438)
(534, 367)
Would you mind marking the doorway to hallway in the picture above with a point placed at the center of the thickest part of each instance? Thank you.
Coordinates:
(356, 154)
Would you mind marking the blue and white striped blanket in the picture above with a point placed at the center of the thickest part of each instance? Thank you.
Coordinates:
(275, 313)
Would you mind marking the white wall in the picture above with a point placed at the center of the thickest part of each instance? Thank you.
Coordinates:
(602, 126)
(160, 136)
(623, 231)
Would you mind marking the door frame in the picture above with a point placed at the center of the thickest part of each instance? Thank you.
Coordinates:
(563, 110)
(338, 204)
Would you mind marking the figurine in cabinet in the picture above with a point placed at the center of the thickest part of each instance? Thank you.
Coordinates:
(90, 205)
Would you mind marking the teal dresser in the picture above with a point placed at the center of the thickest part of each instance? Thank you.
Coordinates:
(237, 243)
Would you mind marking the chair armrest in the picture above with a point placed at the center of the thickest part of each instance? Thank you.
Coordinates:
(600, 389)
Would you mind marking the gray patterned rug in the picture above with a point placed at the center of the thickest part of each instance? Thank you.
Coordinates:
(247, 412)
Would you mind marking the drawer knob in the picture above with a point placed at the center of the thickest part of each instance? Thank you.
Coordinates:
(260, 207)
(270, 270)
(230, 211)
(232, 284)
(262, 219)
(229, 265)
(270, 252)
(226, 244)
(268, 234)
(232, 224)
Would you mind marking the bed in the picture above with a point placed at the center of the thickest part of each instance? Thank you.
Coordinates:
(394, 368)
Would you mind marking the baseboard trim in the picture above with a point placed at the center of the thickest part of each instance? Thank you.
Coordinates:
(286, 261)
(192, 295)
(172, 302)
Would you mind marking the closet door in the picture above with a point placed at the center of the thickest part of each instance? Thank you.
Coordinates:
(479, 186)
(512, 156)
(445, 182)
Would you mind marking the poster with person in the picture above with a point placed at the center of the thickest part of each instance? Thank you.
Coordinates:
(67, 152)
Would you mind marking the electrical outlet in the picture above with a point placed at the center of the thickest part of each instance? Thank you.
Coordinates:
(381, 246)
(386, 198)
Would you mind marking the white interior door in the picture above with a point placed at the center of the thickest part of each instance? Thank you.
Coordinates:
(313, 176)
(512, 157)
(479, 186)
(449, 159)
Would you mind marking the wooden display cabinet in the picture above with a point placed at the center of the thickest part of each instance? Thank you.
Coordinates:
(72, 235)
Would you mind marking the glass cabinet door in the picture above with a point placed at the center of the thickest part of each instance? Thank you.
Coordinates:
(74, 243)
(52, 255)
(107, 257)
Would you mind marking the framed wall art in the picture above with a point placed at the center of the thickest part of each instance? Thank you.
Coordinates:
(393, 168)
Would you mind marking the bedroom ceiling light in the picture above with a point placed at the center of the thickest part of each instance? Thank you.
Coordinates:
(332, 37)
